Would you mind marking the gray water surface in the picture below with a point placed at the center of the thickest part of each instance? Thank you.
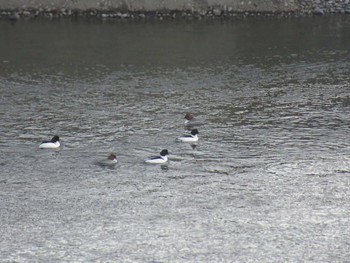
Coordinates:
(267, 182)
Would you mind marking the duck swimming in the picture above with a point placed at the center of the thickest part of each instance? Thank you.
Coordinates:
(193, 137)
(53, 144)
(188, 118)
(162, 158)
(191, 121)
(110, 161)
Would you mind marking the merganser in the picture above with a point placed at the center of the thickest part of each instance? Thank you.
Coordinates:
(189, 138)
(191, 121)
(110, 161)
(53, 144)
(162, 158)
(188, 118)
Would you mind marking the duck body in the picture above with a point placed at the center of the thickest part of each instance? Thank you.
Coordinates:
(191, 121)
(162, 158)
(110, 161)
(193, 137)
(53, 144)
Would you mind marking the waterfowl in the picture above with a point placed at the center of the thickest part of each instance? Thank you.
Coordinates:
(192, 137)
(162, 158)
(53, 144)
(110, 161)
(191, 121)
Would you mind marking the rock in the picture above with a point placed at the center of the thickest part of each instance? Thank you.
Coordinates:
(217, 12)
(124, 15)
(202, 12)
(14, 17)
(318, 11)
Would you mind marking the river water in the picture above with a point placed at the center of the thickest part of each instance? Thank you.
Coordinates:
(267, 182)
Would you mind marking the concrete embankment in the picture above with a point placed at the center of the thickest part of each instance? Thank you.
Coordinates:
(140, 9)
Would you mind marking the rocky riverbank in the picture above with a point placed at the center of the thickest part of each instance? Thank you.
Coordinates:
(168, 9)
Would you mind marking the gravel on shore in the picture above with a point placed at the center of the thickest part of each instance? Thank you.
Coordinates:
(297, 8)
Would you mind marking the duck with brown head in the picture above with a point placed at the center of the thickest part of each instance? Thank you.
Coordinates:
(191, 120)
(109, 162)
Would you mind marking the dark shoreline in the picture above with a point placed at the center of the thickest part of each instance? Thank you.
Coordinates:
(152, 15)
(304, 8)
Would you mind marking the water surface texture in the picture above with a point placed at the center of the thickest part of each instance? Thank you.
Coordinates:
(267, 182)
